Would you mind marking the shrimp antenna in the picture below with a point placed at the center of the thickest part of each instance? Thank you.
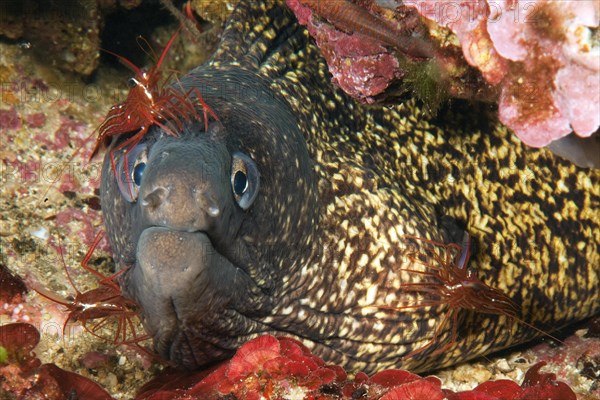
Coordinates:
(185, 18)
(146, 47)
(62, 258)
(129, 64)
(167, 47)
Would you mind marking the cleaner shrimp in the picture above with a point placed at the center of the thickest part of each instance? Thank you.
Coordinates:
(99, 307)
(450, 283)
(150, 102)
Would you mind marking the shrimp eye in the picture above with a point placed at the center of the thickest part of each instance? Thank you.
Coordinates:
(130, 165)
(244, 180)
(132, 82)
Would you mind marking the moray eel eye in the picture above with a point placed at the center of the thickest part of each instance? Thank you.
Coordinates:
(244, 180)
(130, 165)
(240, 183)
(138, 171)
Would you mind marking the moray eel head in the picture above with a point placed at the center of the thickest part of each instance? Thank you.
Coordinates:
(205, 222)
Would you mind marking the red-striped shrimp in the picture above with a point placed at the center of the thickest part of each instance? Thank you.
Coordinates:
(103, 305)
(449, 282)
(150, 102)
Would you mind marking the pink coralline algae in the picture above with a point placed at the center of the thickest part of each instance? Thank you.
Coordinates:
(543, 54)
(9, 120)
(36, 120)
(87, 229)
(538, 59)
(282, 368)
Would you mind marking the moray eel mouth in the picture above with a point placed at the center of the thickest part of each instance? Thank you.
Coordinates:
(164, 253)
(187, 283)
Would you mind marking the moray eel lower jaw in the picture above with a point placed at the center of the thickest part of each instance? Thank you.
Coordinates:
(193, 297)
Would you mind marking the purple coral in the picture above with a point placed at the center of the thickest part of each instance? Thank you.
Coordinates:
(544, 56)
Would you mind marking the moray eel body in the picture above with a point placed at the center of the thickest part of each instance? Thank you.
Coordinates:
(309, 241)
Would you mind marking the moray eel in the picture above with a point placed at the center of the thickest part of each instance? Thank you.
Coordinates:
(289, 215)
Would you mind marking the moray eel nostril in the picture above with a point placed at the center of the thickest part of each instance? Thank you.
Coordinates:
(206, 201)
(303, 213)
(154, 199)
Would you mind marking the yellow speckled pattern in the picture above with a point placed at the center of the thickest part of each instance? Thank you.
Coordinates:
(385, 172)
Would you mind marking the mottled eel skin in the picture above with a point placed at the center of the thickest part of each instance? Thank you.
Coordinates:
(339, 186)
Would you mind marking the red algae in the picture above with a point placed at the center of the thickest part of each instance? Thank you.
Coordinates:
(272, 368)
(537, 385)
(575, 360)
(12, 287)
(12, 297)
(22, 374)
